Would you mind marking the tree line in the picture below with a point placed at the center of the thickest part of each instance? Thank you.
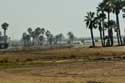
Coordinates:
(41, 36)
(101, 20)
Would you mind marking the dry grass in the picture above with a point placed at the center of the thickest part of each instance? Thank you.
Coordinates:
(71, 65)
(61, 54)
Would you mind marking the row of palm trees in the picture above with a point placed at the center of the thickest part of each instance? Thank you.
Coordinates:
(98, 21)
(40, 36)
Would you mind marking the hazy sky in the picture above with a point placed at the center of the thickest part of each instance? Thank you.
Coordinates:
(58, 16)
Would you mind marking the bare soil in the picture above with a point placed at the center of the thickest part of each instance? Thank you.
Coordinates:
(74, 70)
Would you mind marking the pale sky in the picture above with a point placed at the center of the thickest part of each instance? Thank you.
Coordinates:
(58, 16)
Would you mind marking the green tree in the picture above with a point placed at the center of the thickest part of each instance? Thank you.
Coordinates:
(71, 37)
(41, 38)
(90, 23)
(33, 35)
(29, 30)
(38, 31)
(59, 38)
(107, 4)
(110, 26)
(101, 17)
(24, 38)
(117, 7)
(48, 34)
(99, 22)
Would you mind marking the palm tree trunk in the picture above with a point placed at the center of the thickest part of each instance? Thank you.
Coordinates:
(118, 26)
(100, 31)
(92, 36)
(24, 42)
(111, 37)
(108, 29)
(103, 30)
(5, 40)
(33, 42)
(103, 33)
(103, 37)
(117, 38)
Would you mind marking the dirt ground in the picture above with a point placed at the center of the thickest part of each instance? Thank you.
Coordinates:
(68, 72)
(77, 72)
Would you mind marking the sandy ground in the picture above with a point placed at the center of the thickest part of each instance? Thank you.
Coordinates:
(78, 72)
(70, 72)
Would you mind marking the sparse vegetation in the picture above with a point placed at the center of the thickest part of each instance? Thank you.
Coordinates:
(94, 82)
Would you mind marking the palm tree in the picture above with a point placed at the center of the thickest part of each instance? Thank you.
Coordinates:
(101, 17)
(59, 38)
(48, 33)
(43, 31)
(71, 37)
(37, 34)
(28, 39)
(41, 38)
(110, 25)
(50, 40)
(24, 39)
(117, 7)
(30, 33)
(33, 35)
(30, 30)
(99, 21)
(90, 23)
(5, 27)
(107, 5)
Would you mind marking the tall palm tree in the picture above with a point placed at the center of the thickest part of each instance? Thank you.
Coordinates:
(71, 37)
(5, 27)
(117, 7)
(41, 38)
(99, 20)
(50, 40)
(28, 39)
(37, 34)
(33, 35)
(30, 34)
(43, 31)
(99, 26)
(30, 30)
(107, 5)
(110, 26)
(24, 38)
(101, 17)
(48, 33)
(90, 23)
(59, 38)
